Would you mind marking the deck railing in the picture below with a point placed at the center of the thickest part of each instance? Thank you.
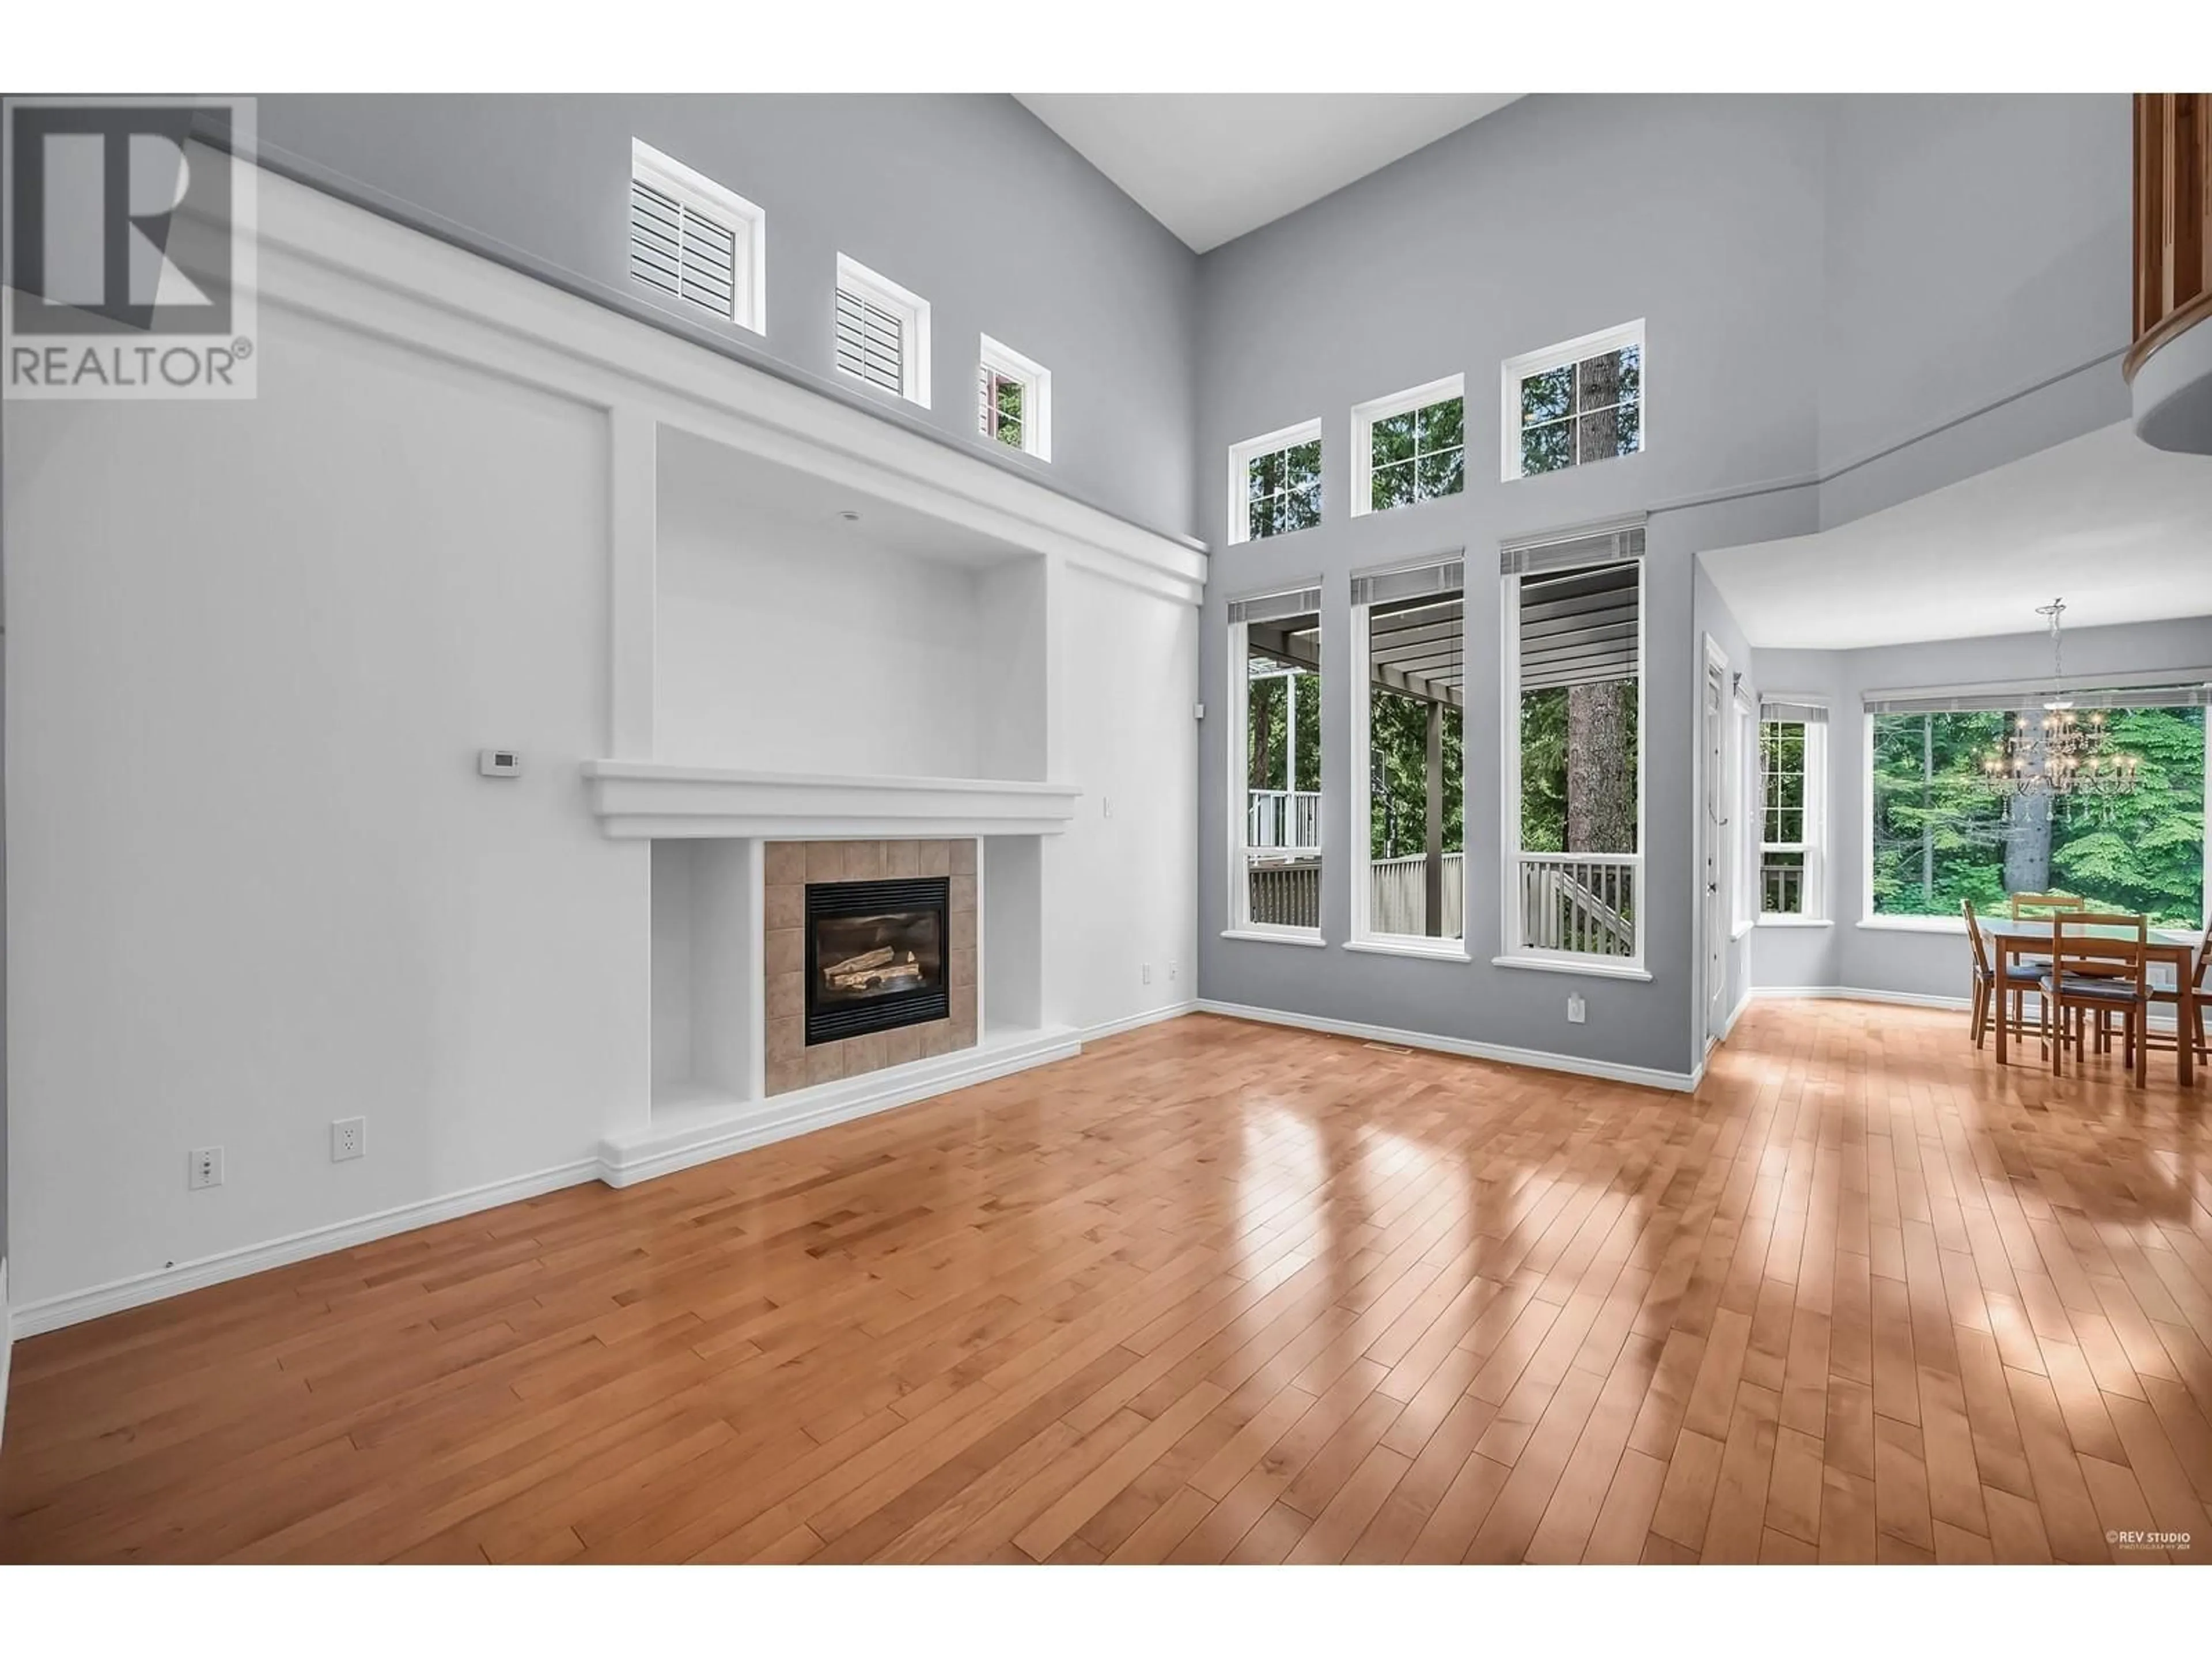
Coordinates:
(1282, 818)
(1782, 889)
(1285, 893)
(1579, 903)
(1398, 894)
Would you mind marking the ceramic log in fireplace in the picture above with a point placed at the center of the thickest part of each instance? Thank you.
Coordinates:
(875, 957)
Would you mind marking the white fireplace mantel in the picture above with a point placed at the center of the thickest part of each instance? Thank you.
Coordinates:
(648, 799)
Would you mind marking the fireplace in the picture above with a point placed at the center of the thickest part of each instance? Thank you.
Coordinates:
(875, 957)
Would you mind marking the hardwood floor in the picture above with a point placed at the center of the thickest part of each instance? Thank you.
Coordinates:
(1218, 1292)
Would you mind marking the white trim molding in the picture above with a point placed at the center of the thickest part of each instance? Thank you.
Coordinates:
(325, 258)
(1536, 1059)
(54, 1312)
(639, 799)
(1855, 993)
(7, 1350)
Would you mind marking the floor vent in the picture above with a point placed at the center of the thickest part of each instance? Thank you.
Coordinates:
(1388, 1047)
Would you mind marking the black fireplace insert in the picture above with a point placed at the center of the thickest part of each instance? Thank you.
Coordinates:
(875, 956)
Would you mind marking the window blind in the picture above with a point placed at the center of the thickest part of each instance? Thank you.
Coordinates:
(2011, 699)
(681, 252)
(1804, 714)
(1412, 582)
(1538, 556)
(870, 342)
(1268, 607)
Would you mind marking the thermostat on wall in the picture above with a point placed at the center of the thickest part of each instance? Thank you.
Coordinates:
(499, 763)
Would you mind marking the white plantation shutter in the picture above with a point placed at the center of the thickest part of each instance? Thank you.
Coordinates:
(1385, 587)
(871, 341)
(1270, 607)
(682, 252)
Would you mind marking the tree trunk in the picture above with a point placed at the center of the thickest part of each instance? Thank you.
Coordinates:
(1927, 821)
(1432, 862)
(1259, 718)
(2027, 837)
(1600, 770)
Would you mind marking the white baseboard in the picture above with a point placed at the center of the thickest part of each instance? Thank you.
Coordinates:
(701, 1135)
(6, 1348)
(1728, 1027)
(1135, 1022)
(54, 1312)
(1855, 993)
(1541, 1060)
(704, 1137)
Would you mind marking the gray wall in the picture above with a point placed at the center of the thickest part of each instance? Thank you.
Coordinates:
(1873, 958)
(970, 202)
(1718, 220)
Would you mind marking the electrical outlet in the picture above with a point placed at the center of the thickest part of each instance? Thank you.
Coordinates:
(1575, 1008)
(349, 1138)
(1107, 801)
(1148, 973)
(1173, 967)
(206, 1168)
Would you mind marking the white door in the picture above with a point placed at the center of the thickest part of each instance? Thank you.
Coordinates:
(1716, 833)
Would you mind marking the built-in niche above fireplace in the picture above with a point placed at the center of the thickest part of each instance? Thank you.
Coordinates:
(877, 955)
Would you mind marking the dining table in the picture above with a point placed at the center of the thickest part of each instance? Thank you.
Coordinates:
(2017, 940)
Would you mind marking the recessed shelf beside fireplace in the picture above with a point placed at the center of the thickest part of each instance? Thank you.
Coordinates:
(877, 955)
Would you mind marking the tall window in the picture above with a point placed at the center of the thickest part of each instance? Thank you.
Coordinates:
(1792, 764)
(1574, 766)
(1275, 683)
(1274, 484)
(1408, 730)
(1936, 838)
(1411, 446)
(1580, 401)
(1015, 400)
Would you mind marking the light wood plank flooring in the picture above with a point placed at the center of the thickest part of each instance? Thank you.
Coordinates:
(1223, 1292)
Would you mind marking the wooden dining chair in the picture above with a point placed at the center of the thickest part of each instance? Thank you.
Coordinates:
(2103, 971)
(2029, 907)
(1994, 1000)
(2200, 973)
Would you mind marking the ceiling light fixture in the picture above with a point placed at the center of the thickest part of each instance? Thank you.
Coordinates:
(2062, 754)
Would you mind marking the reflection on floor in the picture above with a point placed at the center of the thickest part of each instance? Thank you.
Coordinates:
(1218, 1291)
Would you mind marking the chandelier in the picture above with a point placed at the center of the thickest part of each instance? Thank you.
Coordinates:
(2062, 754)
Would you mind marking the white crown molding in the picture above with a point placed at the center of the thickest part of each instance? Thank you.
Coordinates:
(637, 799)
(327, 259)
(1537, 1059)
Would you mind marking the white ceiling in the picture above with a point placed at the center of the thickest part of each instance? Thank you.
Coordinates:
(1212, 166)
(713, 486)
(2122, 532)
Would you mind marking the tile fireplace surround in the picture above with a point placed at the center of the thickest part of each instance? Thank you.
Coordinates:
(789, 866)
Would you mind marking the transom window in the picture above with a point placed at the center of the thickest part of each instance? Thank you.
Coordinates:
(1411, 446)
(1274, 484)
(1015, 400)
(1792, 764)
(1580, 401)
(882, 333)
(694, 240)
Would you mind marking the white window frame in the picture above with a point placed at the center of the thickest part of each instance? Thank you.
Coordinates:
(1240, 922)
(1363, 417)
(1241, 457)
(913, 313)
(1003, 362)
(1515, 370)
(746, 222)
(1813, 912)
(1451, 948)
(1510, 953)
(1744, 781)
